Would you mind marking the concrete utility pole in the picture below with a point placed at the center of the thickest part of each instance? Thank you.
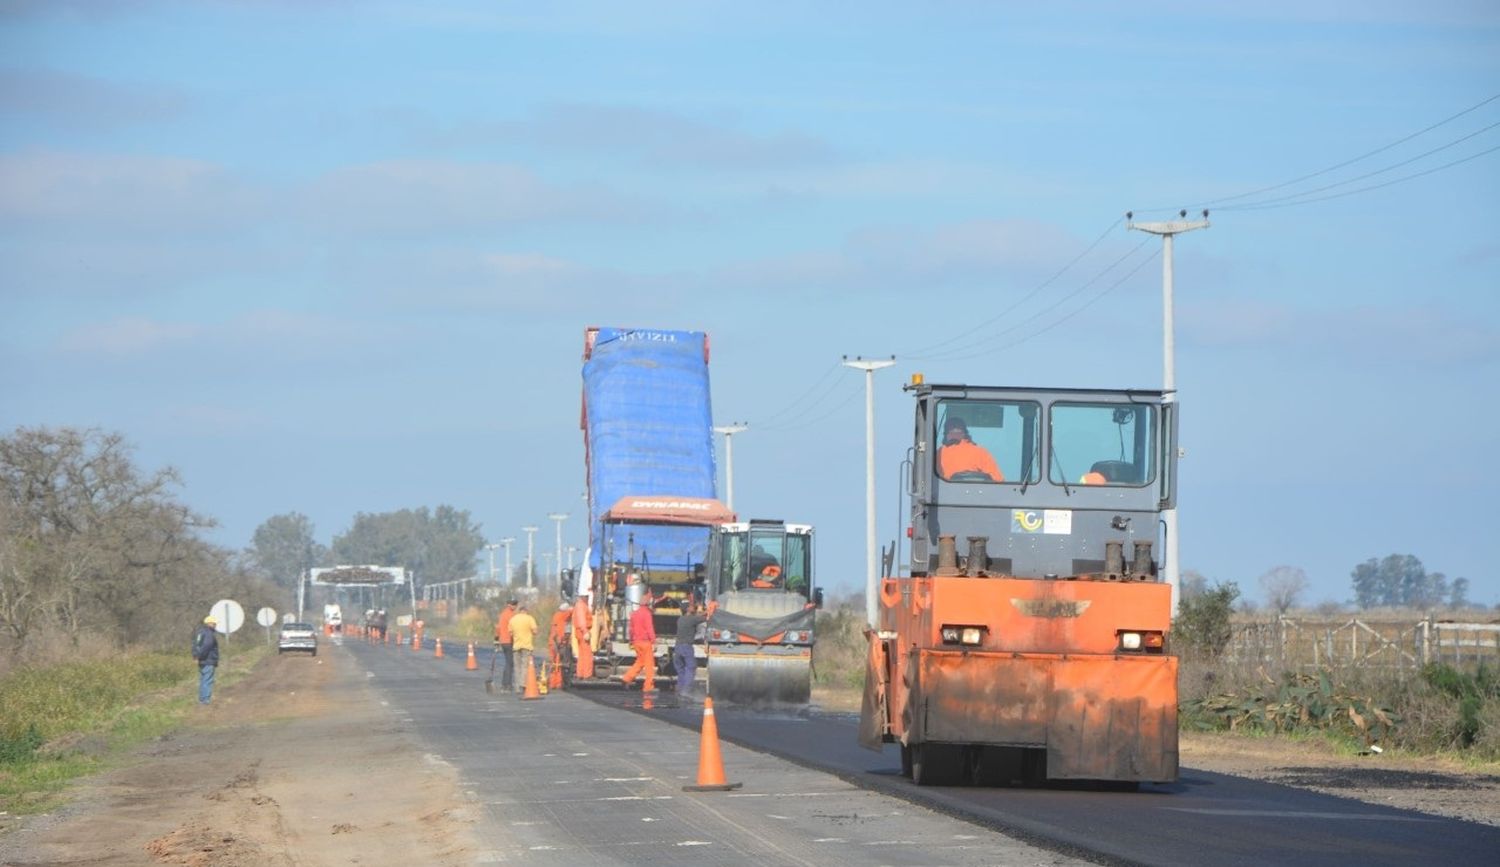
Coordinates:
(559, 517)
(507, 542)
(1168, 230)
(872, 577)
(729, 430)
(530, 562)
(491, 548)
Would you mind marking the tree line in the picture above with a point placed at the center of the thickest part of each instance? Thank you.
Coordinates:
(97, 554)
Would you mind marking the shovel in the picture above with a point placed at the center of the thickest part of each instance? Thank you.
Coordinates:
(489, 682)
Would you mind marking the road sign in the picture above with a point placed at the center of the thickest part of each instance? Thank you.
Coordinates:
(229, 616)
(266, 616)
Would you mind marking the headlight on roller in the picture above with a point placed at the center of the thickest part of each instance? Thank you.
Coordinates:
(1141, 641)
(971, 636)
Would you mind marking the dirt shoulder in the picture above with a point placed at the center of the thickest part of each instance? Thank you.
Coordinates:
(1441, 787)
(298, 763)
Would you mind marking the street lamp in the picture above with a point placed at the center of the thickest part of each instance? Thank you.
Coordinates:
(559, 517)
(729, 430)
(507, 542)
(1167, 230)
(491, 548)
(530, 562)
(872, 580)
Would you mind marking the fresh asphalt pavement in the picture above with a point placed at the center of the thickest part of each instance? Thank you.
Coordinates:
(564, 780)
(812, 795)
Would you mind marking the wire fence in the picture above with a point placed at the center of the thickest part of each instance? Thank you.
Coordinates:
(1289, 643)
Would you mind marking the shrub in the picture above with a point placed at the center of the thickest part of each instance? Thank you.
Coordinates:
(1202, 628)
(1298, 702)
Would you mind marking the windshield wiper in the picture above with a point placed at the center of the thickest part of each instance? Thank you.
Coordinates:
(1062, 473)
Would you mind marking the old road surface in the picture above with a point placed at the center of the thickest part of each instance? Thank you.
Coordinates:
(595, 777)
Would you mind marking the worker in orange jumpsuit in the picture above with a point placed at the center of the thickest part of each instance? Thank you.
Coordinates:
(503, 645)
(583, 646)
(557, 644)
(960, 454)
(643, 642)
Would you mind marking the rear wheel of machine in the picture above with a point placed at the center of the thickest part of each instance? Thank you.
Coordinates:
(906, 761)
(936, 765)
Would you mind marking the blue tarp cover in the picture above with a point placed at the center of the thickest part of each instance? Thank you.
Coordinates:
(648, 428)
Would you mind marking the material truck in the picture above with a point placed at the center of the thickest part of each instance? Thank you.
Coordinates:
(1036, 647)
(654, 523)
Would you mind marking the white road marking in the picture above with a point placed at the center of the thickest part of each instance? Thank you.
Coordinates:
(695, 843)
(830, 840)
(623, 779)
(1300, 814)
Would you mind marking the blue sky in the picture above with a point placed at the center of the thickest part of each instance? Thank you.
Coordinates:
(336, 257)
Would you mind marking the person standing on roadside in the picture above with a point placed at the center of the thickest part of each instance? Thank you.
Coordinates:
(206, 652)
(683, 658)
(523, 630)
(558, 645)
(503, 645)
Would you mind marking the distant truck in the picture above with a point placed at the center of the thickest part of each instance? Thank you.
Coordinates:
(333, 618)
(654, 524)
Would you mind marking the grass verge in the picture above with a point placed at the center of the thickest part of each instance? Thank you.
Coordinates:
(61, 722)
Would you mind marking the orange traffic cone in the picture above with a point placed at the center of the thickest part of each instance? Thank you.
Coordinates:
(472, 664)
(416, 641)
(710, 763)
(531, 688)
(438, 654)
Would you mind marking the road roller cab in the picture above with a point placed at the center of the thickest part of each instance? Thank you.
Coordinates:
(759, 575)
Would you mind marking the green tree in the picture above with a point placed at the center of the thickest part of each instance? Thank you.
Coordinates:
(437, 546)
(1398, 580)
(283, 548)
(1458, 594)
(1202, 628)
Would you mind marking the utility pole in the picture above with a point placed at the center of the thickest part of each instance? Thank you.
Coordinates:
(1168, 230)
(530, 563)
(507, 542)
(491, 548)
(559, 517)
(729, 430)
(872, 578)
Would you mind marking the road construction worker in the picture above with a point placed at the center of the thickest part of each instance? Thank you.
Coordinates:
(523, 631)
(557, 644)
(683, 658)
(643, 642)
(1093, 477)
(503, 645)
(765, 571)
(960, 454)
(583, 645)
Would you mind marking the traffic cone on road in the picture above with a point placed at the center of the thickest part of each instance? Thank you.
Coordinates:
(472, 664)
(531, 688)
(710, 763)
(438, 654)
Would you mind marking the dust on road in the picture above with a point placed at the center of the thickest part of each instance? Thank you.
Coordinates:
(299, 763)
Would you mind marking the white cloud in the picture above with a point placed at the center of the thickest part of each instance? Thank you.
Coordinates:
(77, 102)
(261, 334)
(128, 336)
(128, 194)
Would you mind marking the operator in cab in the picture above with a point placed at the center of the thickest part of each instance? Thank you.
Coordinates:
(960, 454)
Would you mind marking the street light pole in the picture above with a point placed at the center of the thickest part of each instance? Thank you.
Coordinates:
(507, 542)
(872, 578)
(559, 517)
(729, 430)
(530, 563)
(491, 548)
(1169, 229)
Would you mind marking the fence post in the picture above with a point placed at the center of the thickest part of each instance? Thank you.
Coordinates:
(1427, 641)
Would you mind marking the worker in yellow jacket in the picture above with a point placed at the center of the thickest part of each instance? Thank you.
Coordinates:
(523, 631)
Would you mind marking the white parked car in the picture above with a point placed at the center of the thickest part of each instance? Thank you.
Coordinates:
(298, 636)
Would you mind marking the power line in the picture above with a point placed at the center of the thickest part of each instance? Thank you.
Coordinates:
(760, 423)
(1392, 182)
(1323, 171)
(956, 352)
(853, 393)
(1069, 315)
(1357, 178)
(920, 356)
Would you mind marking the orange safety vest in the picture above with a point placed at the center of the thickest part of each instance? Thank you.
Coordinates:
(502, 627)
(967, 457)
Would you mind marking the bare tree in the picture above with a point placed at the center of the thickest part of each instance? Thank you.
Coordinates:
(1282, 586)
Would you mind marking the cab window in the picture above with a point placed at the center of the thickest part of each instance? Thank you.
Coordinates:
(1102, 444)
(1002, 430)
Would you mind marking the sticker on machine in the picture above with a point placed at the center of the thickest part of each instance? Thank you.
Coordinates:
(1057, 521)
(1025, 521)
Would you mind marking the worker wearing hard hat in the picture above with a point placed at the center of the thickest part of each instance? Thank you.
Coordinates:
(557, 644)
(206, 652)
(583, 645)
(960, 454)
(643, 642)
